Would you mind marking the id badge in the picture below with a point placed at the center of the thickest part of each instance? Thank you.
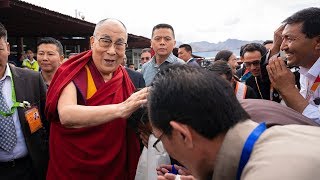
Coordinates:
(33, 118)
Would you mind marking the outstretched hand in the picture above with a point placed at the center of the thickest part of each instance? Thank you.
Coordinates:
(135, 101)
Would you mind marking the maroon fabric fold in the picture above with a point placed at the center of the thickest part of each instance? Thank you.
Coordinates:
(107, 151)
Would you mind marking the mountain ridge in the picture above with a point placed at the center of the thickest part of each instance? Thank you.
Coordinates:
(229, 44)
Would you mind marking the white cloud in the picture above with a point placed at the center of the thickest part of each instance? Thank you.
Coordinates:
(199, 20)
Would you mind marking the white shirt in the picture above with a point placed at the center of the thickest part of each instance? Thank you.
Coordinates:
(307, 78)
(20, 150)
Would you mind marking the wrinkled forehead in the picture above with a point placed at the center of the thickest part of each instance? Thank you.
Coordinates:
(112, 29)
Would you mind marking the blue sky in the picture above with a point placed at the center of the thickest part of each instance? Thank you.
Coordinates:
(200, 20)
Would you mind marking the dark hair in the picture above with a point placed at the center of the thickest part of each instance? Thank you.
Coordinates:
(30, 49)
(196, 97)
(223, 55)
(187, 47)
(221, 67)
(3, 32)
(50, 40)
(241, 50)
(256, 47)
(160, 26)
(310, 18)
(267, 42)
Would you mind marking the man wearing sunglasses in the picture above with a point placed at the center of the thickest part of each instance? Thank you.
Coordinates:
(254, 58)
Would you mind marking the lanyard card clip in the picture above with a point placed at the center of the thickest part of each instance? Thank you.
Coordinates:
(25, 104)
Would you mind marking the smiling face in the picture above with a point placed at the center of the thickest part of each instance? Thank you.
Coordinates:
(252, 62)
(300, 50)
(108, 58)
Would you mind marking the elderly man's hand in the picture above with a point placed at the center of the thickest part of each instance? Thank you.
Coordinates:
(135, 101)
(280, 76)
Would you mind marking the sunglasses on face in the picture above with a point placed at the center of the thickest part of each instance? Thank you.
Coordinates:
(254, 63)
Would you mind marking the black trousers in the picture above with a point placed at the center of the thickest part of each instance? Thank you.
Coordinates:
(20, 169)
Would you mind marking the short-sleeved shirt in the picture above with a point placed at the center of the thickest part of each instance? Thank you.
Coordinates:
(150, 69)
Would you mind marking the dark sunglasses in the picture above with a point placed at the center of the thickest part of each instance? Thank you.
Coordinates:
(254, 63)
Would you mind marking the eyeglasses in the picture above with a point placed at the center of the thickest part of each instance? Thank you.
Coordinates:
(254, 63)
(157, 141)
(107, 43)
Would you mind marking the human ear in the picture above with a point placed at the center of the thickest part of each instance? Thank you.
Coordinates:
(8, 48)
(91, 41)
(183, 132)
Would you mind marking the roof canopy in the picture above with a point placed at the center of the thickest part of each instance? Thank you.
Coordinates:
(23, 19)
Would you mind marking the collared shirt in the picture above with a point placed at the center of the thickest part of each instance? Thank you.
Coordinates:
(307, 78)
(20, 150)
(281, 152)
(151, 68)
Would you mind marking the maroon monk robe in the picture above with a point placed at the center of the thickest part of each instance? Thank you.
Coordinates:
(107, 151)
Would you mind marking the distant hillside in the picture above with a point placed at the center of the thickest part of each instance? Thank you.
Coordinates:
(230, 44)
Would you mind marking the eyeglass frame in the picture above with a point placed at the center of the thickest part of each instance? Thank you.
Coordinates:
(254, 63)
(157, 141)
(111, 43)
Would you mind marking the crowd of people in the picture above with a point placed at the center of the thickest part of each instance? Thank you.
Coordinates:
(93, 117)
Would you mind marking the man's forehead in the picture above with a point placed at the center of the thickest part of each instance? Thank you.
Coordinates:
(292, 28)
(112, 26)
(249, 55)
(2, 41)
(163, 31)
(52, 47)
(146, 53)
(108, 28)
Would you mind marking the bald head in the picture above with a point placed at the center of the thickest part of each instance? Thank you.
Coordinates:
(108, 45)
(108, 21)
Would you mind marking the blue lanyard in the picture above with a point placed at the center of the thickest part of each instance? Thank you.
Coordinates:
(248, 147)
